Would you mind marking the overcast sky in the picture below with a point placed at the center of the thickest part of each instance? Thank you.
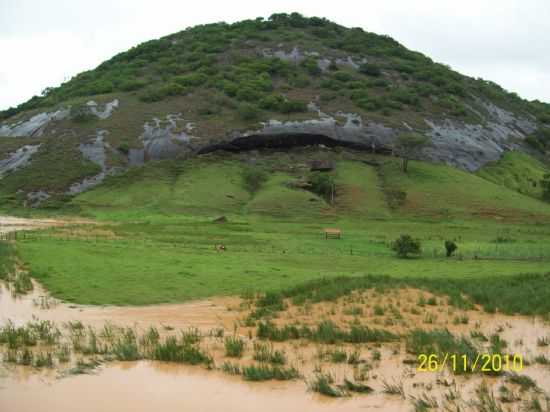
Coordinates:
(44, 42)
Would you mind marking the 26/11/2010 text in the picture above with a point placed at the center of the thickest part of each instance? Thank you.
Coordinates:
(463, 363)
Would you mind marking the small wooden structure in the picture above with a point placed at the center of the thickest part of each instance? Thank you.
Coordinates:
(332, 233)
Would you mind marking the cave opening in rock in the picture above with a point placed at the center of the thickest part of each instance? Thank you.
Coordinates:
(288, 141)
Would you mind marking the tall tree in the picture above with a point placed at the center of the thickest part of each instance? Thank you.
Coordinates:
(409, 144)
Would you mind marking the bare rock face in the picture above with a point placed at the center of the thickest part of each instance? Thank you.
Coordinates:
(34, 126)
(94, 151)
(35, 198)
(136, 157)
(20, 158)
(87, 183)
(102, 111)
(464, 145)
(166, 139)
(297, 56)
(470, 146)
(459, 144)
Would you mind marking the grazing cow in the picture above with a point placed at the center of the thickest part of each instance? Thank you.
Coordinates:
(219, 248)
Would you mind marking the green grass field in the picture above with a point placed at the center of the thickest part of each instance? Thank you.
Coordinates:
(160, 246)
(516, 171)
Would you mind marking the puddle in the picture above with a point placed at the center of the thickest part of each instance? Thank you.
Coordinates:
(146, 386)
(204, 315)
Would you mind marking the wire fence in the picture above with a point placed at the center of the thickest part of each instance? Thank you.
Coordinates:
(468, 251)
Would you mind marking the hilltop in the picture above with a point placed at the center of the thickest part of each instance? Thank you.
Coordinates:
(274, 83)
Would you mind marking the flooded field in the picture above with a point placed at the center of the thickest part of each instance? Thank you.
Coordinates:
(238, 354)
(143, 385)
(146, 386)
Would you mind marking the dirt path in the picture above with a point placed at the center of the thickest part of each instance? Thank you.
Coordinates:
(12, 224)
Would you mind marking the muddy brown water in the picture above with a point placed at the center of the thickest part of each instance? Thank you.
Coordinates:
(146, 385)
(150, 386)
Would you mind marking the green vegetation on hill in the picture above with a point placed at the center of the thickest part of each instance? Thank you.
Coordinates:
(56, 166)
(359, 191)
(277, 199)
(227, 59)
(440, 191)
(228, 77)
(516, 171)
(213, 186)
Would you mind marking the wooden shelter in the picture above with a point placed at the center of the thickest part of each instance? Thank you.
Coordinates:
(332, 233)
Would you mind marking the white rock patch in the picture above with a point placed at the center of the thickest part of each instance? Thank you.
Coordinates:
(20, 158)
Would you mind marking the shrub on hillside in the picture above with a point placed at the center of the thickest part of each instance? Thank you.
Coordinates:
(248, 111)
(293, 106)
(193, 79)
(272, 102)
(450, 247)
(132, 84)
(370, 69)
(311, 66)
(157, 93)
(539, 140)
(124, 148)
(405, 95)
(98, 87)
(81, 113)
(331, 84)
(253, 178)
(322, 184)
(300, 81)
(405, 245)
(248, 94)
(343, 76)
(534, 143)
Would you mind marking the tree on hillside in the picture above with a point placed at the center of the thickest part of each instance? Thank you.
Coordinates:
(405, 245)
(409, 144)
(450, 247)
(254, 178)
(545, 183)
(323, 185)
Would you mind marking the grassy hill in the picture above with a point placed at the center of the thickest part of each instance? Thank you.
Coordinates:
(220, 80)
(211, 187)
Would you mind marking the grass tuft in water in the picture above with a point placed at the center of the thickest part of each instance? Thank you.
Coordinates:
(234, 346)
(264, 352)
(324, 384)
(265, 372)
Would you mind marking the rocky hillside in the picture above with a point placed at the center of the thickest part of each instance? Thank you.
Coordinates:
(281, 82)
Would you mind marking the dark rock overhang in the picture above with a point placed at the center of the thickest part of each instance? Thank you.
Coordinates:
(288, 141)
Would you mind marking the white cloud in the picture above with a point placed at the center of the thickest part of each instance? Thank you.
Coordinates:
(44, 42)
